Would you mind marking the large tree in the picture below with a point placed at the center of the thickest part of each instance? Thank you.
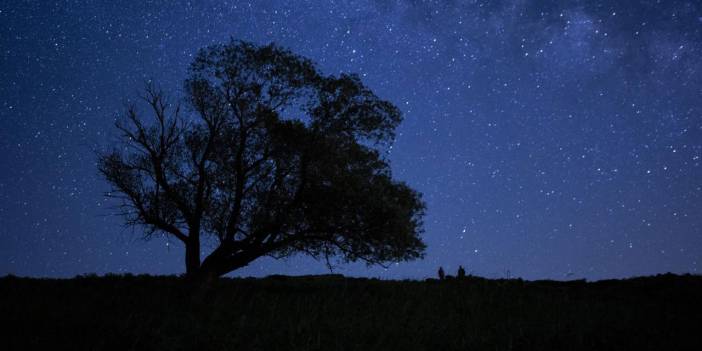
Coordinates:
(270, 157)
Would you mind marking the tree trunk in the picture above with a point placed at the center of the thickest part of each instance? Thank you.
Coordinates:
(204, 277)
(226, 258)
(203, 280)
(192, 257)
(200, 279)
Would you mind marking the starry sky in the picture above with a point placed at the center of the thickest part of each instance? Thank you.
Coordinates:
(551, 139)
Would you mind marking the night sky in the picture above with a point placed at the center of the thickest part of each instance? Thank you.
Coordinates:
(551, 139)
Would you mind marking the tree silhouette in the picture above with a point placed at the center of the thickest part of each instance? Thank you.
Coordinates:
(270, 157)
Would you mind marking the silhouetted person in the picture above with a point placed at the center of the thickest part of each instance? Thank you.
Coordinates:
(442, 275)
(461, 272)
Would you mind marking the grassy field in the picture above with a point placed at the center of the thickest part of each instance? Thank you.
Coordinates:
(335, 313)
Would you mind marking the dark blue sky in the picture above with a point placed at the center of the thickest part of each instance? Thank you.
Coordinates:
(551, 139)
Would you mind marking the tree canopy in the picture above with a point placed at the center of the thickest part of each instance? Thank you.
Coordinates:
(270, 157)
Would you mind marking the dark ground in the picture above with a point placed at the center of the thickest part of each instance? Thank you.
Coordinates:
(335, 313)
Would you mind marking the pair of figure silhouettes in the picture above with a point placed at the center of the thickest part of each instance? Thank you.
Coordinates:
(461, 273)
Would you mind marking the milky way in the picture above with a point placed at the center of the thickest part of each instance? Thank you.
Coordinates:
(551, 139)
